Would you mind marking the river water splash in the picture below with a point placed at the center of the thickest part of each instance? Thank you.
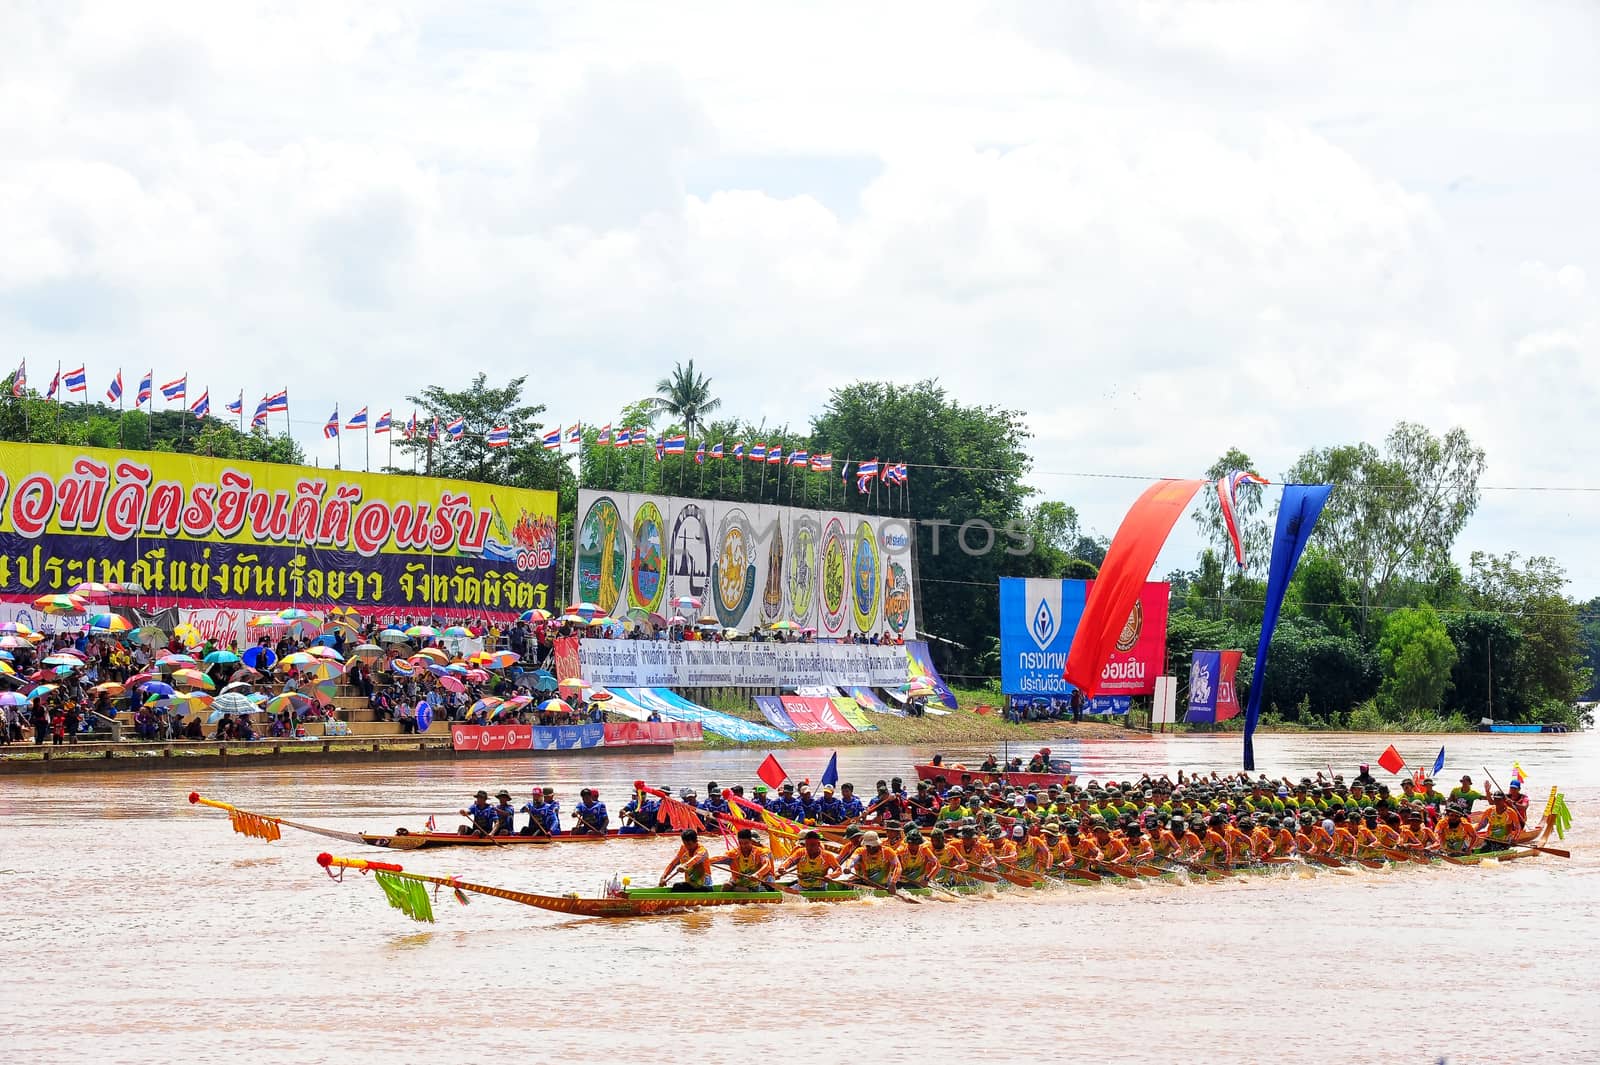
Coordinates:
(140, 929)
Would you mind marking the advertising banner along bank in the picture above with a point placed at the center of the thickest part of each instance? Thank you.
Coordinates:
(225, 537)
(1038, 619)
(749, 565)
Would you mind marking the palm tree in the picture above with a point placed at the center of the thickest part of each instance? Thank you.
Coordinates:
(685, 395)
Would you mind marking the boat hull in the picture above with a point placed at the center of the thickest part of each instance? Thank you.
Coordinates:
(406, 840)
(963, 777)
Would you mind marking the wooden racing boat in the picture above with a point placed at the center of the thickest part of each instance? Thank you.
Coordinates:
(266, 826)
(955, 774)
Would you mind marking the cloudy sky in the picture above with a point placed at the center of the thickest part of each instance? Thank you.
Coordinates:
(1160, 229)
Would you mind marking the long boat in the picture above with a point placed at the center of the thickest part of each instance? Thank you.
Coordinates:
(266, 826)
(955, 774)
(405, 889)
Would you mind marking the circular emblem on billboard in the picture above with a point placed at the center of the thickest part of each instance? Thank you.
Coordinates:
(733, 570)
(864, 579)
(802, 580)
(896, 596)
(689, 560)
(1130, 632)
(602, 555)
(648, 570)
(772, 591)
(835, 573)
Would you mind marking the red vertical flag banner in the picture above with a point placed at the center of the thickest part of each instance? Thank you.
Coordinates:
(1391, 760)
(1133, 551)
(771, 773)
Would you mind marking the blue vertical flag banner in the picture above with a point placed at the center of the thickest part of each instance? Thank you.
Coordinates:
(1297, 516)
(1438, 763)
(830, 775)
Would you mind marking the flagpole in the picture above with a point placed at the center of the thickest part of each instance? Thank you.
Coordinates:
(120, 412)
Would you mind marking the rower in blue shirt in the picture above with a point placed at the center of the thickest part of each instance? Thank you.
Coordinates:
(505, 815)
(482, 814)
(591, 814)
(639, 815)
(849, 804)
(714, 803)
(827, 809)
(808, 804)
(550, 813)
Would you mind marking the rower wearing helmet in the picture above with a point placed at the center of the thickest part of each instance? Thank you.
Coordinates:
(918, 863)
(692, 861)
(876, 864)
(813, 866)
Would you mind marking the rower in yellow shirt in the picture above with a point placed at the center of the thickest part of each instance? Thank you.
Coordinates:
(693, 861)
(813, 866)
(918, 863)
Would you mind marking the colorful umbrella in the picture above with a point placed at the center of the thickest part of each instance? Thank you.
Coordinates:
(529, 616)
(191, 702)
(191, 636)
(322, 650)
(70, 661)
(345, 612)
(457, 632)
(108, 623)
(92, 590)
(15, 643)
(451, 684)
(475, 676)
(226, 658)
(194, 679)
(423, 632)
(111, 688)
(516, 702)
(13, 699)
(156, 687)
(554, 704)
(486, 704)
(782, 626)
(43, 689)
(599, 697)
(393, 636)
(708, 621)
(295, 614)
(240, 686)
(151, 635)
(403, 667)
(6, 670)
(684, 602)
(265, 621)
(326, 670)
(177, 661)
(230, 703)
(500, 660)
(584, 610)
(292, 701)
(432, 654)
(299, 658)
(368, 652)
(574, 682)
(14, 628)
(61, 605)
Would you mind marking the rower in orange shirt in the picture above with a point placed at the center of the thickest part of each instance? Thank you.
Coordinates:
(1035, 854)
(813, 866)
(750, 864)
(693, 861)
(1455, 834)
(1112, 849)
(977, 853)
(1344, 839)
(1189, 845)
(1140, 850)
(876, 864)
(1215, 850)
(1004, 846)
(918, 864)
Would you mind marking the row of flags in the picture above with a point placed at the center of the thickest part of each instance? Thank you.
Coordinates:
(77, 381)
(867, 472)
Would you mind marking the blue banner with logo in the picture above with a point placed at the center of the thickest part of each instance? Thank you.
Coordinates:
(567, 737)
(1203, 673)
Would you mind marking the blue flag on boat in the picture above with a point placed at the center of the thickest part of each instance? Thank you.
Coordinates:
(830, 775)
(1438, 763)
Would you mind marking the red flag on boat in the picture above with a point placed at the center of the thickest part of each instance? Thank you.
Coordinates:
(771, 773)
(1391, 760)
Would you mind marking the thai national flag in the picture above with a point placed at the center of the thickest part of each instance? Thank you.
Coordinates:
(202, 406)
(822, 463)
(456, 426)
(758, 452)
(661, 449)
(278, 403)
(552, 439)
(716, 450)
(738, 450)
(700, 454)
(798, 458)
(77, 380)
(433, 428)
(604, 435)
(55, 385)
(411, 427)
(358, 420)
(901, 474)
(331, 430)
(866, 472)
(19, 382)
(176, 390)
(575, 434)
(675, 444)
(775, 455)
(499, 436)
(260, 416)
(235, 407)
(624, 437)
(114, 393)
(146, 389)
(383, 424)
(1228, 499)
(642, 439)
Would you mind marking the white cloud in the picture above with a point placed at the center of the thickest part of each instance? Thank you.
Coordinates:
(1160, 229)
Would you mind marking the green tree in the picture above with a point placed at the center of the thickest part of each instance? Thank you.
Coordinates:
(1530, 593)
(686, 395)
(1395, 514)
(1323, 594)
(1486, 680)
(1416, 657)
(1589, 633)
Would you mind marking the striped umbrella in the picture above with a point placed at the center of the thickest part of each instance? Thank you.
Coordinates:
(108, 623)
(530, 616)
(194, 679)
(422, 632)
(61, 605)
(322, 650)
(457, 632)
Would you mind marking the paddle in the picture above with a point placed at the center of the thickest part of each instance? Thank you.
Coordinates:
(1557, 851)
(761, 885)
(892, 892)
